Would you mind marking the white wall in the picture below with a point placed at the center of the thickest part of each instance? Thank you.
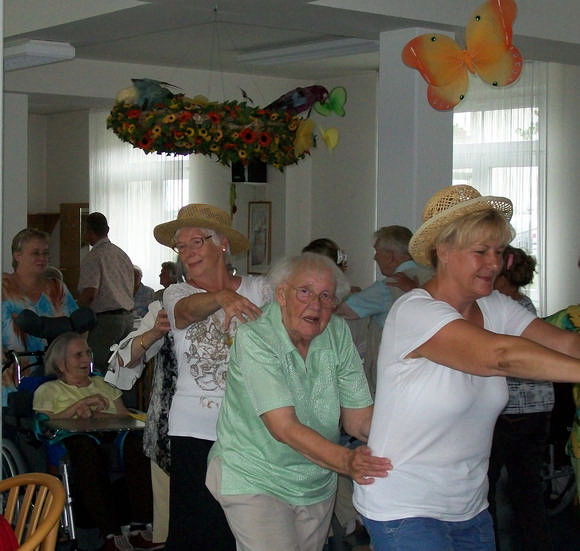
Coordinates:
(67, 149)
(563, 188)
(37, 167)
(344, 180)
(14, 172)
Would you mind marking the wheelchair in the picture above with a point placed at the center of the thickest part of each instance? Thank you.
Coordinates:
(23, 447)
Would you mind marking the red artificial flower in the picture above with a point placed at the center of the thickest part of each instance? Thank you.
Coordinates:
(145, 142)
(214, 117)
(247, 135)
(264, 139)
(133, 113)
(184, 116)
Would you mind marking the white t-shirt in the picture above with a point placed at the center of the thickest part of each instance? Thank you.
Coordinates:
(434, 423)
(202, 350)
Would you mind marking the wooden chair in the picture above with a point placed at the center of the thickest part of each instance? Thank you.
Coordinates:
(35, 514)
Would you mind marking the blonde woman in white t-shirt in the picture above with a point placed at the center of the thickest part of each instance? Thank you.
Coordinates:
(446, 350)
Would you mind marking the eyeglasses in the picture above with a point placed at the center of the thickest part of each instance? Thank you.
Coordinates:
(194, 244)
(307, 295)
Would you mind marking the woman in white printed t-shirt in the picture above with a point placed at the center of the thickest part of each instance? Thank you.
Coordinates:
(203, 312)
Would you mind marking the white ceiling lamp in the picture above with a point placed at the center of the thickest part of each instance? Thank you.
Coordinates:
(29, 53)
(310, 51)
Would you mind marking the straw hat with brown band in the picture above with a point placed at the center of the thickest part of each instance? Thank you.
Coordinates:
(199, 215)
(446, 206)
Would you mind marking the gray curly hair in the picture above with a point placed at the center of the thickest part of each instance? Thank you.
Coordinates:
(284, 269)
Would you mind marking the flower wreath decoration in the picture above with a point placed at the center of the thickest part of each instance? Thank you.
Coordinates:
(150, 117)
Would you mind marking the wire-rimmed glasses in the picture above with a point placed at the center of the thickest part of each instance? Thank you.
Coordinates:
(306, 295)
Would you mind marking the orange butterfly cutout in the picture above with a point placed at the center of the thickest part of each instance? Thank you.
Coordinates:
(489, 53)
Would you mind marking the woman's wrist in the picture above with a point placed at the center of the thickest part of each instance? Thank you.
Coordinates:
(142, 344)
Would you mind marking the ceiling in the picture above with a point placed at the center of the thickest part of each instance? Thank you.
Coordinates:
(205, 34)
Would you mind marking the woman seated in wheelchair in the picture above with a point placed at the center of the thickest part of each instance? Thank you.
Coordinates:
(75, 394)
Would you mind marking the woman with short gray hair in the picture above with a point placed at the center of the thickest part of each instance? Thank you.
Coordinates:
(294, 378)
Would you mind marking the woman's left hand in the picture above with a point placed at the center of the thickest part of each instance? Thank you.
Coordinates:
(235, 305)
(363, 467)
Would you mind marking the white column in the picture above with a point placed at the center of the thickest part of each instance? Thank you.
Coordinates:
(14, 171)
(415, 141)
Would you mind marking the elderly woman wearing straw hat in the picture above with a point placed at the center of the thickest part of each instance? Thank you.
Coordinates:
(203, 312)
(446, 350)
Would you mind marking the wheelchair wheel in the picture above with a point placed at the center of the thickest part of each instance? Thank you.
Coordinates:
(13, 462)
(560, 489)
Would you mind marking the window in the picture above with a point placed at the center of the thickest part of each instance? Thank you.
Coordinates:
(135, 191)
(498, 148)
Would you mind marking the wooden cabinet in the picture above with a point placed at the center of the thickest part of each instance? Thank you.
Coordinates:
(72, 246)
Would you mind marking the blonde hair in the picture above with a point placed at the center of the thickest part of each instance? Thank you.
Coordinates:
(23, 237)
(461, 233)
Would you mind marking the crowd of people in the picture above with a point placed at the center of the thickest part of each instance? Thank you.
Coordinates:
(449, 385)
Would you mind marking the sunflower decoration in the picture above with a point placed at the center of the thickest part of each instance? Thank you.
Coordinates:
(151, 117)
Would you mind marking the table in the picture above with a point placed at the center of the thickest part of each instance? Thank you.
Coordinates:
(96, 424)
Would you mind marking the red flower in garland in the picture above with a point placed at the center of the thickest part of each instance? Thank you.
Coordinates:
(133, 113)
(247, 135)
(214, 117)
(264, 139)
(184, 116)
(145, 142)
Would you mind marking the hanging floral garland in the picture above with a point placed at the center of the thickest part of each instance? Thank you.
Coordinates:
(156, 120)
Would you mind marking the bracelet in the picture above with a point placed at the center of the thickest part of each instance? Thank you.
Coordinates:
(141, 343)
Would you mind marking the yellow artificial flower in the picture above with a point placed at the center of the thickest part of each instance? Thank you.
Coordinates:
(304, 139)
(199, 100)
(330, 137)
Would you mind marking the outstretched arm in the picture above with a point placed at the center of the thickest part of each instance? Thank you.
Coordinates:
(543, 352)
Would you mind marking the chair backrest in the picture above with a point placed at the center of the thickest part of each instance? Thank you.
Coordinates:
(33, 507)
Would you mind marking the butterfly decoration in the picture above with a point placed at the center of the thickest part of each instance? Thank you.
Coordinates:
(330, 137)
(334, 103)
(489, 53)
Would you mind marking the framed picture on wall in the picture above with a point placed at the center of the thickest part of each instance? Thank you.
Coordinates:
(259, 233)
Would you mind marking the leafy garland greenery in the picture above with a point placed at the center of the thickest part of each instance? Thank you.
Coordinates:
(230, 131)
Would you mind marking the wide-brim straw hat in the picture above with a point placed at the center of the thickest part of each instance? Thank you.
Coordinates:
(199, 215)
(446, 206)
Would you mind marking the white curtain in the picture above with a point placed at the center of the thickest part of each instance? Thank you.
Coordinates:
(135, 191)
(499, 148)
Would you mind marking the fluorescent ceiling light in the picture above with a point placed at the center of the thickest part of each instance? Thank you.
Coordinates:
(29, 53)
(311, 51)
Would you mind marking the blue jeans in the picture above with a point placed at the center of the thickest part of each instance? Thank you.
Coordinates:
(429, 534)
